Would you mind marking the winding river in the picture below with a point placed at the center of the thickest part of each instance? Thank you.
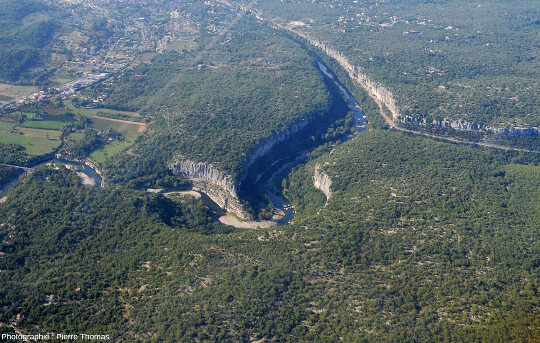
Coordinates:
(280, 203)
(283, 211)
(89, 176)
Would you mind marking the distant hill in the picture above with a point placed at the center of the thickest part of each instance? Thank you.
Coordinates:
(28, 27)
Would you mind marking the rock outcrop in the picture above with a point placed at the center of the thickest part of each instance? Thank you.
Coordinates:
(222, 188)
(471, 126)
(383, 95)
(375, 89)
(322, 181)
(219, 187)
(266, 145)
(516, 131)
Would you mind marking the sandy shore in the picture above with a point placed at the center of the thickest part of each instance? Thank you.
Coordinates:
(86, 180)
(194, 194)
(232, 220)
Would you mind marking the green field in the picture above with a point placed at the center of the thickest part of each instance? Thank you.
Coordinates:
(129, 131)
(35, 141)
(43, 124)
(104, 112)
(109, 150)
(62, 78)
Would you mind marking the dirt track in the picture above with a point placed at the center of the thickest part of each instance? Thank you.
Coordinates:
(142, 126)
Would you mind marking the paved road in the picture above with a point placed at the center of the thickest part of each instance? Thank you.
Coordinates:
(14, 166)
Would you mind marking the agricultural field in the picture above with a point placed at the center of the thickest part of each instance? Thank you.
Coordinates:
(62, 78)
(44, 124)
(129, 131)
(36, 141)
(103, 112)
(38, 129)
(9, 92)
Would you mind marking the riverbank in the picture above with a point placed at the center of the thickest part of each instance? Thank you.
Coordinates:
(89, 175)
(283, 211)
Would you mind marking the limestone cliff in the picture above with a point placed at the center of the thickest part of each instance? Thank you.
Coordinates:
(375, 89)
(386, 97)
(266, 145)
(222, 188)
(322, 181)
(472, 126)
(219, 187)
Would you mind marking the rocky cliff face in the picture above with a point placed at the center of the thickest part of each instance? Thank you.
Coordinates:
(266, 145)
(375, 89)
(219, 187)
(386, 97)
(472, 126)
(222, 188)
(322, 181)
(383, 95)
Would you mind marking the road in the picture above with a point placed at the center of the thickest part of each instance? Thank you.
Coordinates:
(394, 126)
(14, 166)
(388, 120)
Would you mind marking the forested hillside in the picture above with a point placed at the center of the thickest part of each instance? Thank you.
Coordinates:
(412, 240)
(217, 104)
(28, 27)
(460, 60)
(420, 241)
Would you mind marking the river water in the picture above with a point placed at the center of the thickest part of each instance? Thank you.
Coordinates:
(88, 175)
(284, 210)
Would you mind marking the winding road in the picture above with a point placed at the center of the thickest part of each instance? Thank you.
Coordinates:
(274, 23)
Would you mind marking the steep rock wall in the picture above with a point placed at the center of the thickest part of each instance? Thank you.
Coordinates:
(266, 145)
(322, 181)
(374, 88)
(386, 97)
(472, 126)
(220, 187)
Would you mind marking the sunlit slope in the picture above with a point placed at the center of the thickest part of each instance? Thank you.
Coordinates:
(458, 60)
(421, 241)
(216, 104)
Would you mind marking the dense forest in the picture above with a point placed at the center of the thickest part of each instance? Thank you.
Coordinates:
(28, 27)
(470, 61)
(217, 106)
(424, 240)
(7, 174)
(420, 241)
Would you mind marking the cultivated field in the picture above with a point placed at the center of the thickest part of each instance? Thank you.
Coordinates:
(36, 141)
(129, 130)
(13, 91)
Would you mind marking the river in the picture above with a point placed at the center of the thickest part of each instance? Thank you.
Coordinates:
(88, 175)
(283, 211)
